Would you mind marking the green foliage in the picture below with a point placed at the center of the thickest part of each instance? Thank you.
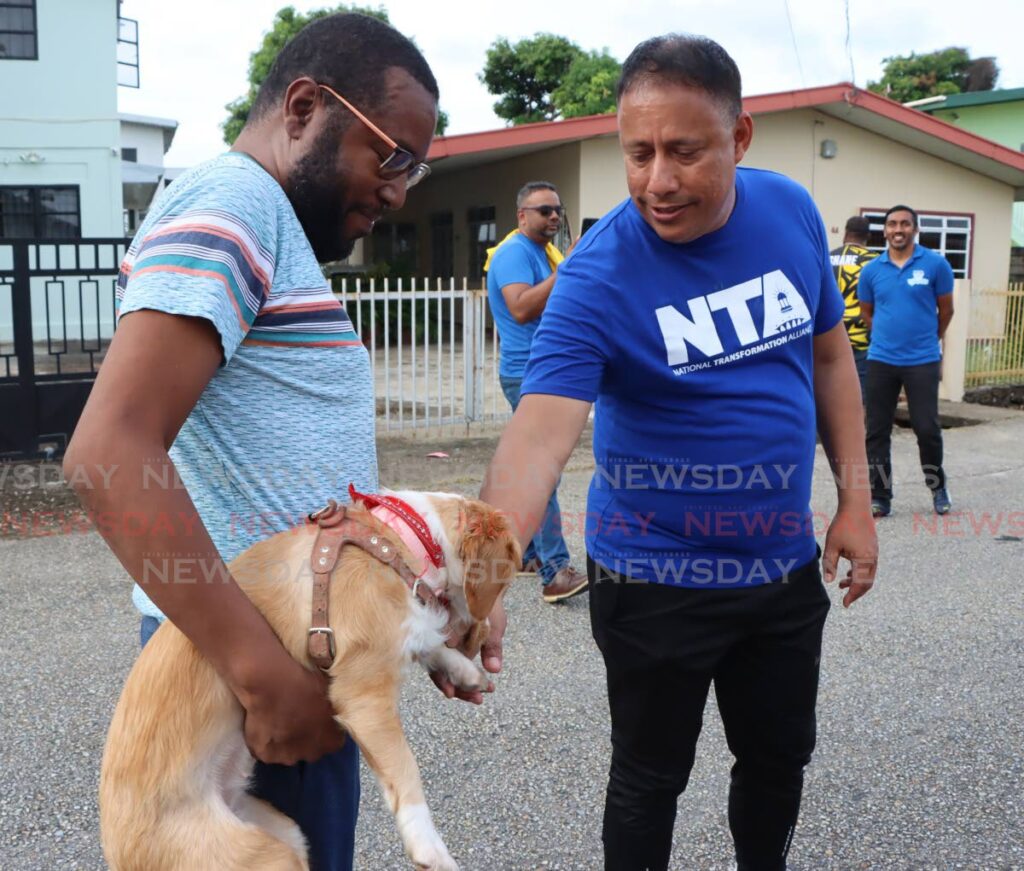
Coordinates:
(524, 75)
(917, 76)
(589, 86)
(287, 23)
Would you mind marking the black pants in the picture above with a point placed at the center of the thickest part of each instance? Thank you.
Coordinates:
(883, 391)
(662, 647)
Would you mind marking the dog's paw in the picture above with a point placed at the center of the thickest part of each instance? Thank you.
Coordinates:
(437, 863)
(422, 842)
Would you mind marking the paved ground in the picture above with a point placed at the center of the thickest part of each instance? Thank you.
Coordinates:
(919, 764)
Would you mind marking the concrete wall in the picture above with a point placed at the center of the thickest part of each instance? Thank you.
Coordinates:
(872, 172)
(63, 109)
(602, 176)
(147, 138)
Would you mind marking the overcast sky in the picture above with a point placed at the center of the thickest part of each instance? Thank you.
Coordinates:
(194, 54)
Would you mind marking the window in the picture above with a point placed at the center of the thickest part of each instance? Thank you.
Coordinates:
(395, 244)
(130, 155)
(127, 51)
(950, 235)
(18, 30)
(442, 264)
(482, 231)
(39, 213)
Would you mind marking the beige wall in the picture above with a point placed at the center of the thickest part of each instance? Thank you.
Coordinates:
(872, 172)
(602, 178)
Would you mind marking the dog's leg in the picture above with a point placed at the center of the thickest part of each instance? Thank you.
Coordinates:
(459, 669)
(371, 718)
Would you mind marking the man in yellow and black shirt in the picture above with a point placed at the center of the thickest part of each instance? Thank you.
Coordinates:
(847, 262)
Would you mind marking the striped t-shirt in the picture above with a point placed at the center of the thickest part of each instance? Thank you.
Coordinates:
(288, 419)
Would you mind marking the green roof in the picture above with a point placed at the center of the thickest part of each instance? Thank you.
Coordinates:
(974, 98)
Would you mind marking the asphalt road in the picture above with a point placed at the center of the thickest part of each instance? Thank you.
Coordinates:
(920, 760)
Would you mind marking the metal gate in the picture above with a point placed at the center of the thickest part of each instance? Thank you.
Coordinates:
(57, 313)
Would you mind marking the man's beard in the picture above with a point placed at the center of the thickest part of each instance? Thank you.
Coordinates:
(319, 196)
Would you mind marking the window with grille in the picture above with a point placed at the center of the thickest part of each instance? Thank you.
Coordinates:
(18, 35)
(950, 235)
(482, 232)
(40, 212)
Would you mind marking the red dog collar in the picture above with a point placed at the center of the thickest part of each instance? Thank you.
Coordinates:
(409, 516)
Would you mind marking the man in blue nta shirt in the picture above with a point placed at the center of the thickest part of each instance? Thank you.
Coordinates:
(906, 300)
(520, 275)
(702, 317)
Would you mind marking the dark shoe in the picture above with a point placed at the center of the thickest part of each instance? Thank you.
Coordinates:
(566, 584)
(531, 567)
(880, 508)
(940, 499)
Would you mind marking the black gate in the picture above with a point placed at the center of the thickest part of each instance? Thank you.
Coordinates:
(57, 313)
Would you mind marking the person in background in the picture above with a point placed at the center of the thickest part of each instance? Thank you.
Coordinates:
(906, 300)
(847, 261)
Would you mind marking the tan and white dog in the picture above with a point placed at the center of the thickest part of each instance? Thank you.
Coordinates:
(175, 768)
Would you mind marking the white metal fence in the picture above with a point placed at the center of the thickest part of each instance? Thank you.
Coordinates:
(433, 350)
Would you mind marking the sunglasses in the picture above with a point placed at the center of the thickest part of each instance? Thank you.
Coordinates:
(401, 161)
(546, 211)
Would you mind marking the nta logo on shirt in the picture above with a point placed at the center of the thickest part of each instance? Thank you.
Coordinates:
(917, 278)
(783, 306)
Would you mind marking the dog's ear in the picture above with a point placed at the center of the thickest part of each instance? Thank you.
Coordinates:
(490, 554)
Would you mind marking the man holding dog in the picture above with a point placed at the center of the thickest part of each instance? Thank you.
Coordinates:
(701, 344)
(236, 376)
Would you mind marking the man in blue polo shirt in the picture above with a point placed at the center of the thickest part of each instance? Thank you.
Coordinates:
(520, 276)
(702, 318)
(906, 300)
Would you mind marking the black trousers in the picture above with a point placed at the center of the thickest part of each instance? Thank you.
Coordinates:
(883, 390)
(662, 647)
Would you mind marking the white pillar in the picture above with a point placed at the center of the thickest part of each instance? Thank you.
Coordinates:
(954, 345)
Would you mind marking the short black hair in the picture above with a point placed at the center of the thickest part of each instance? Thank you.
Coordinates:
(913, 214)
(349, 52)
(688, 60)
(529, 188)
(858, 225)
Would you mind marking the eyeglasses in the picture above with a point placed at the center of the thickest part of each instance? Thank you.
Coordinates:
(401, 161)
(546, 211)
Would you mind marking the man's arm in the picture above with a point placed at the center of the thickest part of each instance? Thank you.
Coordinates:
(867, 312)
(945, 304)
(841, 428)
(153, 374)
(531, 454)
(526, 303)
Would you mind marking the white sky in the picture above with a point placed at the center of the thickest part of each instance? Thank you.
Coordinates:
(194, 54)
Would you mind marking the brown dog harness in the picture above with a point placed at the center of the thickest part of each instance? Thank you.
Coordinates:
(338, 529)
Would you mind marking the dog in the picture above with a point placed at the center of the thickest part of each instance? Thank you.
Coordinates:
(175, 767)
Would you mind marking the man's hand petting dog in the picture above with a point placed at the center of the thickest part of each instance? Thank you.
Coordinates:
(288, 716)
(490, 657)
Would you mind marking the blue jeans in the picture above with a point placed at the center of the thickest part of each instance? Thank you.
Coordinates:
(322, 796)
(860, 360)
(548, 547)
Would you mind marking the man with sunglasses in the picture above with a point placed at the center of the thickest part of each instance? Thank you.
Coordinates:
(520, 276)
(236, 371)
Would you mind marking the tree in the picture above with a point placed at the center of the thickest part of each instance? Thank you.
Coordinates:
(526, 74)
(946, 71)
(589, 86)
(287, 23)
